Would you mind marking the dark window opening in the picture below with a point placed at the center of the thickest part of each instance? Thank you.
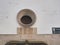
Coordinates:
(26, 19)
(55, 30)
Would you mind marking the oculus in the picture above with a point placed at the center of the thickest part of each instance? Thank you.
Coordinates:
(26, 17)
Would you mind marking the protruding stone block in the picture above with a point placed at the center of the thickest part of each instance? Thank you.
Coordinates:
(27, 31)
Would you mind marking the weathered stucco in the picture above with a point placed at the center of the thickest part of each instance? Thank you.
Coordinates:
(52, 39)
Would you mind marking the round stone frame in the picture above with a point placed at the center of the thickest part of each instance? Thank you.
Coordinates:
(24, 12)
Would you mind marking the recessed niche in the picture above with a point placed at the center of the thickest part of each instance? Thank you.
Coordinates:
(25, 43)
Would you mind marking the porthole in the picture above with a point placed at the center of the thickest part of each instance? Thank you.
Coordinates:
(26, 17)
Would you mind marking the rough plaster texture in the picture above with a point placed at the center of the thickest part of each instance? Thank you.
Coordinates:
(22, 35)
(49, 39)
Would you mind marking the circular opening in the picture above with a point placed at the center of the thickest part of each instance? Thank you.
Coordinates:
(26, 19)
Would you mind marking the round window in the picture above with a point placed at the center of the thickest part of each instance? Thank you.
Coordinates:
(26, 17)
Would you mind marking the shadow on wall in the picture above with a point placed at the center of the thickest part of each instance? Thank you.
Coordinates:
(25, 43)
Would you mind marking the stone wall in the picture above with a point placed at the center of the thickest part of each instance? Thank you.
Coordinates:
(52, 39)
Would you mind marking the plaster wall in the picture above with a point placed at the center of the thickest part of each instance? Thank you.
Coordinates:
(47, 13)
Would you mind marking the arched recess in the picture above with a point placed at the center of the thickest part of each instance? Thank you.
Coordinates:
(26, 43)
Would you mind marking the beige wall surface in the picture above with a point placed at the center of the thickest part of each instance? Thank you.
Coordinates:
(49, 39)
